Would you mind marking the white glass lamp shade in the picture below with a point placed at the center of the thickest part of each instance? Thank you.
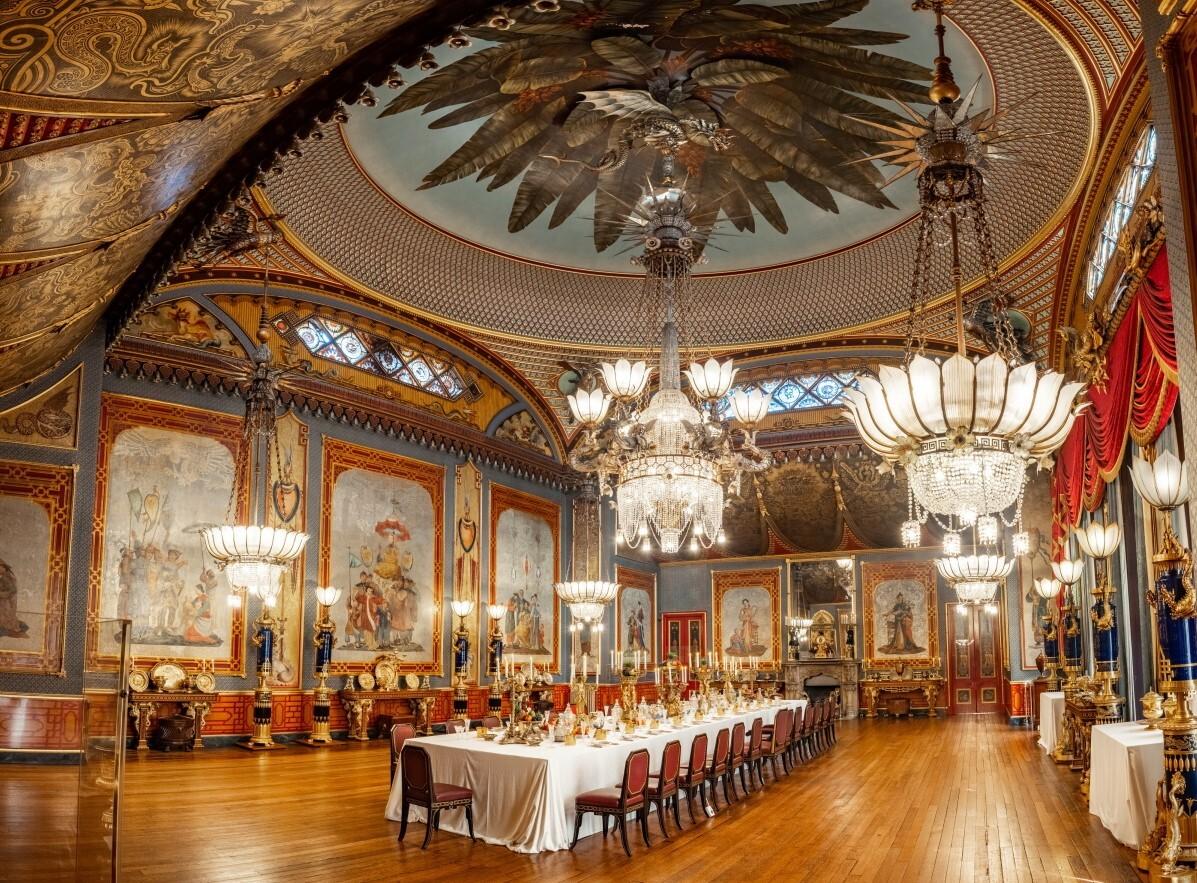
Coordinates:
(626, 379)
(711, 379)
(228, 543)
(496, 611)
(258, 577)
(749, 406)
(974, 568)
(586, 611)
(929, 399)
(1047, 587)
(1069, 571)
(976, 591)
(1164, 484)
(1099, 540)
(328, 595)
(586, 591)
(462, 606)
(588, 406)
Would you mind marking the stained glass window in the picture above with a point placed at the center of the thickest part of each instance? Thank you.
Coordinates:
(799, 392)
(1119, 212)
(328, 339)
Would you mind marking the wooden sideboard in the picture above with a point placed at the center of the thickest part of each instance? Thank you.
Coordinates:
(926, 690)
(362, 705)
(144, 707)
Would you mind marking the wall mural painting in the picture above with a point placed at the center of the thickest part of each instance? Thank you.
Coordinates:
(35, 511)
(382, 541)
(185, 323)
(636, 614)
(50, 420)
(747, 607)
(524, 565)
(288, 507)
(164, 472)
(899, 614)
(1037, 519)
(467, 562)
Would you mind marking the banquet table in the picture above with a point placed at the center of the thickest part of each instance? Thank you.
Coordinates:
(1051, 718)
(524, 794)
(1126, 764)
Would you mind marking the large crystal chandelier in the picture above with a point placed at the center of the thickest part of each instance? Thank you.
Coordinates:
(965, 430)
(252, 554)
(668, 462)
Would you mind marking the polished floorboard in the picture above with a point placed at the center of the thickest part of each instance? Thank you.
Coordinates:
(964, 798)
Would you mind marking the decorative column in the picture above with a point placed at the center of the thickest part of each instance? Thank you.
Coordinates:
(324, 639)
(262, 740)
(462, 607)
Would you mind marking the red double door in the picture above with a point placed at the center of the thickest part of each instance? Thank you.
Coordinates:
(974, 666)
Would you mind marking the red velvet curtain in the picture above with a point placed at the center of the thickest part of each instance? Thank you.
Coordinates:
(1136, 403)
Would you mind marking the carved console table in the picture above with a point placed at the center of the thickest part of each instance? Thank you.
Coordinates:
(1080, 714)
(144, 707)
(361, 704)
(928, 688)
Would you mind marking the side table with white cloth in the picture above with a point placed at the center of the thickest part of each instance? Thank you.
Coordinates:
(524, 794)
(1051, 718)
(1126, 764)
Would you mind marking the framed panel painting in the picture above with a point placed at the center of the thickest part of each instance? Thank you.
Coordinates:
(636, 614)
(382, 535)
(900, 620)
(35, 550)
(525, 562)
(164, 472)
(747, 614)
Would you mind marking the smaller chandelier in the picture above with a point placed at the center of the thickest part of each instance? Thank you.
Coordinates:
(1020, 543)
(912, 533)
(974, 568)
(1047, 587)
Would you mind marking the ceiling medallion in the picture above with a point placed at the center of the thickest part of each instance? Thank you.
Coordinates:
(670, 461)
(964, 430)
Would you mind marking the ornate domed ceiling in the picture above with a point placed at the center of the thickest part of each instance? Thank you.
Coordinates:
(391, 203)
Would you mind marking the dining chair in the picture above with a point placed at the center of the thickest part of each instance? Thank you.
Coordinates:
(693, 776)
(628, 796)
(752, 753)
(419, 789)
(806, 748)
(492, 722)
(400, 733)
(735, 761)
(452, 723)
(775, 742)
(717, 767)
(662, 787)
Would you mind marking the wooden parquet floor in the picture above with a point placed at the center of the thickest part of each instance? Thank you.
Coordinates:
(957, 799)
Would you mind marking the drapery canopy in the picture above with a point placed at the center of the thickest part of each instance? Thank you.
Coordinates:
(1136, 403)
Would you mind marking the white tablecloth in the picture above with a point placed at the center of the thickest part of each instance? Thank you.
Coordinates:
(1126, 762)
(524, 794)
(1051, 718)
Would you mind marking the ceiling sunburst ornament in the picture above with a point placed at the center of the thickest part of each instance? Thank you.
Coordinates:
(750, 96)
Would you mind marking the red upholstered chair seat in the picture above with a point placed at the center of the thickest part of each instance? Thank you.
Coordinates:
(605, 798)
(450, 794)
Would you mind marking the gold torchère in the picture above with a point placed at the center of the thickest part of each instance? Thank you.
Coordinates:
(1099, 540)
(462, 607)
(1048, 588)
(324, 639)
(494, 701)
(264, 625)
(1068, 571)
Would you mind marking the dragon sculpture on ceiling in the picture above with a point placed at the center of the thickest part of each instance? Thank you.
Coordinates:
(591, 96)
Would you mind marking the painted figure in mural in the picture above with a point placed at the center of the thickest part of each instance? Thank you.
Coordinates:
(383, 610)
(10, 625)
(198, 620)
(635, 625)
(900, 620)
(745, 639)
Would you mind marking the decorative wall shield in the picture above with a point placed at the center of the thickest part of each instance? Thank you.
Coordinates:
(35, 538)
(163, 472)
(286, 497)
(747, 611)
(382, 534)
(900, 621)
(525, 562)
(636, 614)
(467, 564)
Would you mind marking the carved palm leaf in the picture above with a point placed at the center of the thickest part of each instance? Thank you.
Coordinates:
(806, 103)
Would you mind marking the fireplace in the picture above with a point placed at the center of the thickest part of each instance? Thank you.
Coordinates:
(817, 678)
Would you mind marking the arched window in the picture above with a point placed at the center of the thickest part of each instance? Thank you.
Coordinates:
(799, 392)
(328, 339)
(1129, 187)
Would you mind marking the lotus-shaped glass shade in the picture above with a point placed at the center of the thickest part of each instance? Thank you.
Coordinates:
(1047, 587)
(981, 591)
(1099, 540)
(462, 606)
(1069, 570)
(586, 591)
(253, 556)
(1164, 484)
(586, 611)
(588, 406)
(962, 568)
(749, 406)
(711, 379)
(625, 379)
(327, 596)
(930, 399)
(496, 611)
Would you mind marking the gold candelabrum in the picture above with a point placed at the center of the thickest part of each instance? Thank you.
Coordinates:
(263, 639)
(521, 683)
(627, 697)
(325, 632)
(704, 673)
(674, 683)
